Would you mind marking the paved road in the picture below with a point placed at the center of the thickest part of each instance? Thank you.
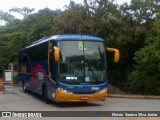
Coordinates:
(16, 100)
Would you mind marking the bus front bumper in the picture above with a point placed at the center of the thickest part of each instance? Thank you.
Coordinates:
(62, 96)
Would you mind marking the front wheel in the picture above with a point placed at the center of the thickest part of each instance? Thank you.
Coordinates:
(24, 86)
(45, 95)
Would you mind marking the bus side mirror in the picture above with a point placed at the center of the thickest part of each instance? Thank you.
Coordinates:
(56, 53)
(116, 54)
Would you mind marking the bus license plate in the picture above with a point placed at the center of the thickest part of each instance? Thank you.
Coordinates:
(84, 97)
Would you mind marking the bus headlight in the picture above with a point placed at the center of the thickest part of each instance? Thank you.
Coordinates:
(65, 91)
(104, 89)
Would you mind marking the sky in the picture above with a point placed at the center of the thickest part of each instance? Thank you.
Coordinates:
(5, 5)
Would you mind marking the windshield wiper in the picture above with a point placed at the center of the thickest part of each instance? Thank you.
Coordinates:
(90, 69)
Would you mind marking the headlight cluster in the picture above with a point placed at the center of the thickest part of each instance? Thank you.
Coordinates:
(102, 90)
(65, 91)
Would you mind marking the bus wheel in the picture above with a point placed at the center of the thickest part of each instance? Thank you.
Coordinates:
(24, 86)
(45, 95)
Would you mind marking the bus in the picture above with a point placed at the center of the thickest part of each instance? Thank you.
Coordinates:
(66, 68)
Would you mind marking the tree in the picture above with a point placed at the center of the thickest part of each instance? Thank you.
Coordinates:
(70, 20)
(132, 28)
(5, 17)
(25, 11)
(17, 34)
(145, 78)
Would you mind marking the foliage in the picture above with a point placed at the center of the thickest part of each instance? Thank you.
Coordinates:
(4, 16)
(132, 28)
(145, 77)
(25, 11)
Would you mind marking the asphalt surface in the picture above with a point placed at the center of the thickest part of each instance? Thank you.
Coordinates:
(14, 99)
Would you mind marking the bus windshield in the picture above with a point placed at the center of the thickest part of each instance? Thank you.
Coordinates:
(82, 62)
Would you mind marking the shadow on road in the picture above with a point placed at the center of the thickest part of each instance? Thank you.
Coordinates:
(74, 104)
(63, 104)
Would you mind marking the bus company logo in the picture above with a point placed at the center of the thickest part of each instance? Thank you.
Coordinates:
(83, 89)
(95, 88)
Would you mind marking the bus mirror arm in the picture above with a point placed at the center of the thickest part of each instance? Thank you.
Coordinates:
(56, 53)
(116, 54)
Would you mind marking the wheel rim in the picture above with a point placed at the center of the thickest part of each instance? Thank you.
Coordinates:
(24, 87)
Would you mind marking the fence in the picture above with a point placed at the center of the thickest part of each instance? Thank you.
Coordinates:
(119, 79)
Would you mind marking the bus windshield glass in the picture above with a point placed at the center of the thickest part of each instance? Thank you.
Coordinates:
(82, 62)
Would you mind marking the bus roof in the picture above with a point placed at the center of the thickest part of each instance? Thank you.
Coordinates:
(71, 37)
(77, 37)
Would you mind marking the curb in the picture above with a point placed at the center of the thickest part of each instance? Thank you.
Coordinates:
(133, 96)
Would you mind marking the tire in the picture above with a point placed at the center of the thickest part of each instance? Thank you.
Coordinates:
(45, 95)
(24, 86)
